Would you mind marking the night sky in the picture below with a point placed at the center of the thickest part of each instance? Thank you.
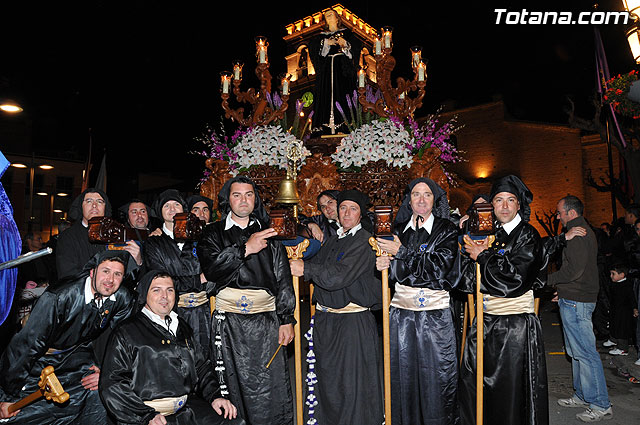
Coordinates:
(144, 75)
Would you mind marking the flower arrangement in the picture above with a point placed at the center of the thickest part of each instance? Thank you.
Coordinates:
(263, 145)
(248, 147)
(617, 93)
(374, 138)
(382, 139)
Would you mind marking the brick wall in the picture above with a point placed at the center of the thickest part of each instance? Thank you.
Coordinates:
(551, 159)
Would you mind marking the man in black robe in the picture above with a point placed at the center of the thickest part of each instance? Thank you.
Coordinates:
(201, 206)
(154, 372)
(255, 302)
(137, 215)
(179, 259)
(325, 224)
(424, 370)
(515, 372)
(345, 334)
(73, 249)
(62, 331)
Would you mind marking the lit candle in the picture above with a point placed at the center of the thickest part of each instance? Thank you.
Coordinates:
(386, 37)
(416, 56)
(237, 70)
(261, 46)
(361, 79)
(226, 81)
(421, 71)
(285, 86)
(377, 46)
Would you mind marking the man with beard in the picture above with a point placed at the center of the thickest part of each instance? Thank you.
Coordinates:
(136, 214)
(179, 259)
(345, 334)
(157, 339)
(515, 373)
(255, 302)
(73, 249)
(61, 332)
(424, 370)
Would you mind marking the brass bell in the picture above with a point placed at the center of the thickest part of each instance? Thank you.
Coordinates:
(287, 192)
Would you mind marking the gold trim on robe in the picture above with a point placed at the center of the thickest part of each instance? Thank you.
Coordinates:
(503, 306)
(245, 301)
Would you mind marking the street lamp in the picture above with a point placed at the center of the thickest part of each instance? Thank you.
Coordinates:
(10, 106)
(633, 33)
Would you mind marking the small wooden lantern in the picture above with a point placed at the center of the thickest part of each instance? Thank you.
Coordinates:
(283, 222)
(187, 226)
(481, 221)
(384, 220)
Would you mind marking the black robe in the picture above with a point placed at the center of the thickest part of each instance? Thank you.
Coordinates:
(424, 369)
(346, 345)
(262, 396)
(73, 250)
(328, 228)
(144, 361)
(515, 372)
(61, 320)
(162, 253)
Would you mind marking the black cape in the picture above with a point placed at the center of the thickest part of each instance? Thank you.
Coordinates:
(262, 396)
(163, 253)
(343, 271)
(145, 362)
(515, 374)
(424, 371)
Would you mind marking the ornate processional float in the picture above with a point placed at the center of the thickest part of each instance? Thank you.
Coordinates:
(365, 138)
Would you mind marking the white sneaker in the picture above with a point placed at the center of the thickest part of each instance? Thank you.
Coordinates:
(572, 402)
(637, 362)
(591, 415)
(618, 352)
(608, 343)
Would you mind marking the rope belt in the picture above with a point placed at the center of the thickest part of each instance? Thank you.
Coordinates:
(349, 308)
(245, 301)
(168, 405)
(504, 306)
(419, 299)
(192, 299)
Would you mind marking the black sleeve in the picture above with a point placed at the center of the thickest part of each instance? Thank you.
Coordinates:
(116, 383)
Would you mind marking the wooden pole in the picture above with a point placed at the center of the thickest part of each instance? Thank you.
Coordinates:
(464, 332)
(385, 334)
(295, 253)
(479, 351)
(536, 306)
(312, 307)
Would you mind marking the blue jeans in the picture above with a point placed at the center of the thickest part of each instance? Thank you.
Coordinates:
(580, 343)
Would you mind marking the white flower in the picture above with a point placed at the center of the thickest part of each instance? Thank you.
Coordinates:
(372, 142)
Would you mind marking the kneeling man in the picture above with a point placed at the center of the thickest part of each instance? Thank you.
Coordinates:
(154, 373)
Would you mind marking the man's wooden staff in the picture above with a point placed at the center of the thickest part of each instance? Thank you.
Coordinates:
(49, 388)
(295, 253)
(479, 351)
(385, 333)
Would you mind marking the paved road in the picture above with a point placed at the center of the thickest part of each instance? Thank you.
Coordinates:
(624, 395)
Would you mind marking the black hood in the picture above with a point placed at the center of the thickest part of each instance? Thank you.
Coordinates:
(75, 210)
(363, 202)
(513, 184)
(166, 196)
(259, 212)
(145, 283)
(440, 202)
